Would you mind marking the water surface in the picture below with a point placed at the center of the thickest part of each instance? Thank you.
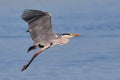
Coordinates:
(95, 55)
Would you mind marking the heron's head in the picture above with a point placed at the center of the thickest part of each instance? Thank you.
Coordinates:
(68, 35)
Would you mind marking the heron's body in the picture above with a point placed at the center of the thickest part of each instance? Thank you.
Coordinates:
(40, 29)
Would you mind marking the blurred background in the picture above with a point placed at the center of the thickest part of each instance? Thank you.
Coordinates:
(95, 55)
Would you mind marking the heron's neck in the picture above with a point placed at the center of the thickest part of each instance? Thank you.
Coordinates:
(63, 41)
(60, 40)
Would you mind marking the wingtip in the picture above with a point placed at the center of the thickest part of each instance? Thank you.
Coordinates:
(50, 14)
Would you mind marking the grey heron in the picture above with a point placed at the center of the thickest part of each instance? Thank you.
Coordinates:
(40, 29)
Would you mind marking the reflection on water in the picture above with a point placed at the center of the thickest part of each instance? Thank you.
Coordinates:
(95, 55)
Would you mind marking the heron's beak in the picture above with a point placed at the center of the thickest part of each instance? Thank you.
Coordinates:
(73, 35)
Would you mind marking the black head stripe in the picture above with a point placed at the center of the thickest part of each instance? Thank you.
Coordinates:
(66, 34)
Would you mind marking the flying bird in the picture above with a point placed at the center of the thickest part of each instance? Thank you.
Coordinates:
(40, 29)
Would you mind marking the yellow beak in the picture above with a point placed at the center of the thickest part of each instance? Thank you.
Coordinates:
(75, 35)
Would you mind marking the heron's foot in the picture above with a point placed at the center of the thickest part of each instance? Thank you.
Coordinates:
(24, 67)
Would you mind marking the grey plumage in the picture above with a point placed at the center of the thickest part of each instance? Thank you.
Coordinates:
(40, 26)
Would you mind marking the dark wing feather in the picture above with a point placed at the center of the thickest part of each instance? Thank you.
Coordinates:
(32, 15)
(40, 26)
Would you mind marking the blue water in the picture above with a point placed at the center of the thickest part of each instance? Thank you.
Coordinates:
(95, 55)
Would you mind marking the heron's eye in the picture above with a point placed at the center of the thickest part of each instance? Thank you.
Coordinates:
(66, 34)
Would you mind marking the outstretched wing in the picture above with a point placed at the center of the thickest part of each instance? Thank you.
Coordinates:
(40, 26)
